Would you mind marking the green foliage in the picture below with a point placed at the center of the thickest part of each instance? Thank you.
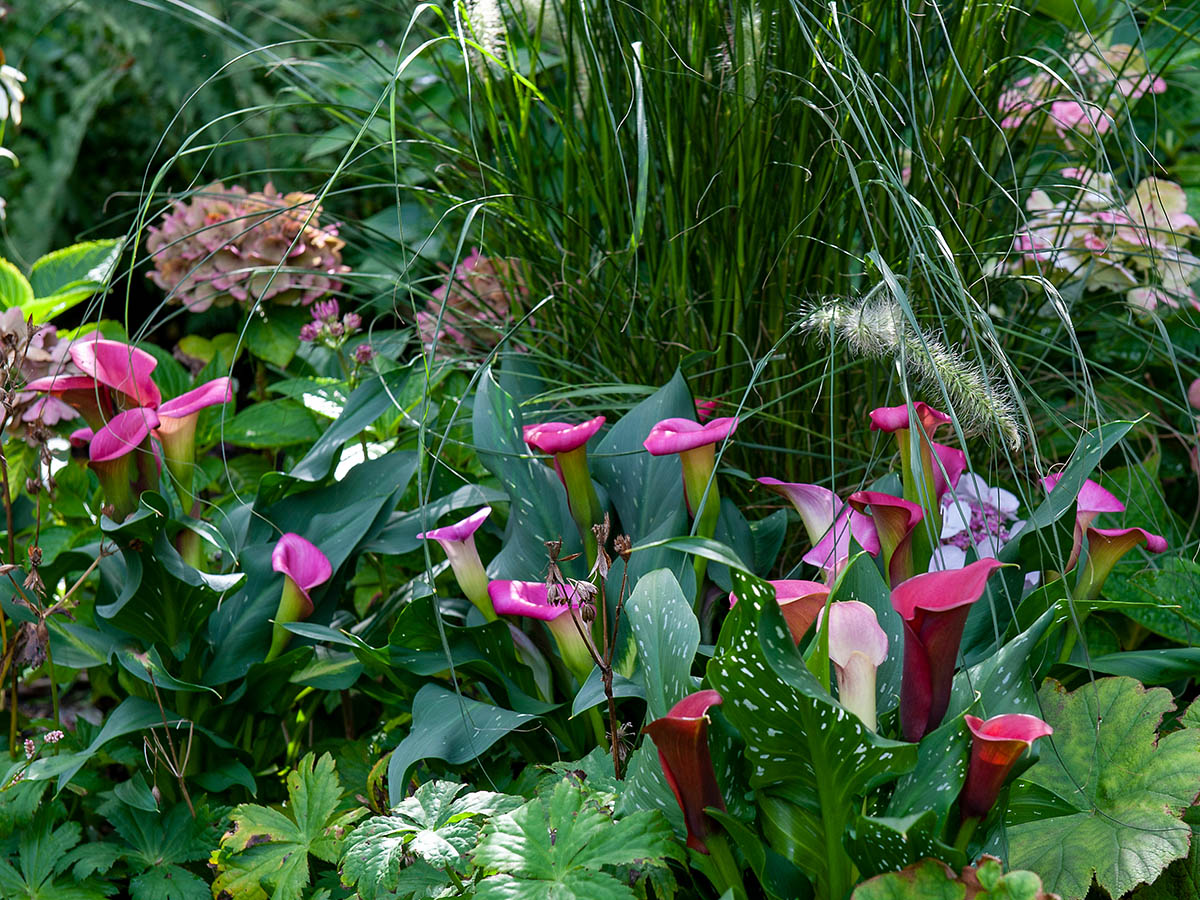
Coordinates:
(60, 280)
(933, 880)
(46, 861)
(558, 847)
(1128, 783)
(435, 826)
(266, 852)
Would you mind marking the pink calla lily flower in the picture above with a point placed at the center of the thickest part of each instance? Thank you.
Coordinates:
(894, 521)
(530, 599)
(568, 445)
(934, 608)
(829, 522)
(1091, 501)
(681, 738)
(996, 745)
(303, 567)
(948, 469)
(897, 418)
(800, 602)
(705, 409)
(857, 648)
(458, 541)
(1106, 546)
(696, 446)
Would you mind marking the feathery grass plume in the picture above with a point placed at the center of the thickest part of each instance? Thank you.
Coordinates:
(744, 50)
(874, 327)
(485, 22)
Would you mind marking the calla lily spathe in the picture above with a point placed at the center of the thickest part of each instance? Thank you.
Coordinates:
(996, 745)
(830, 524)
(1091, 501)
(568, 445)
(530, 599)
(800, 602)
(934, 608)
(894, 520)
(303, 567)
(458, 542)
(857, 648)
(681, 738)
(1106, 546)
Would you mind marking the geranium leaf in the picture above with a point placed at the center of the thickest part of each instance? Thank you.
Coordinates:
(266, 853)
(933, 880)
(1130, 784)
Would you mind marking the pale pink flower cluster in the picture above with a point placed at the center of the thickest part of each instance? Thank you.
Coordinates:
(44, 354)
(326, 327)
(227, 245)
(1138, 244)
(1101, 83)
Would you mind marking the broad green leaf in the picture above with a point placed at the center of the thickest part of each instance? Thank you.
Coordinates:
(647, 491)
(779, 878)
(561, 843)
(667, 634)
(1130, 786)
(15, 289)
(592, 692)
(883, 844)
(271, 424)
(273, 333)
(538, 504)
(435, 826)
(266, 853)
(168, 882)
(69, 268)
(1173, 590)
(810, 760)
(933, 880)
(941, 770)
(450, 727)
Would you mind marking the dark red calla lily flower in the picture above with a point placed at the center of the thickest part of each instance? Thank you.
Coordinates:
(934, 607)
(996, 745)
(681, 737)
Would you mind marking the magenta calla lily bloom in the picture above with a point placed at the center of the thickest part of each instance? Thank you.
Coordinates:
(568, 445)
(897, 418)
(303, 567)
(996, 745)
(706, 409)
(894, 521)
(117, 375)
(1090, 502)
(561, 437)
(680, 435)
(1106, 546)
(1193, 394)
(829, 522)
(857, 648)
(681, 738)
(530, 599)
(948, 469)
(458, 541)
(934, 608)
(800, 602)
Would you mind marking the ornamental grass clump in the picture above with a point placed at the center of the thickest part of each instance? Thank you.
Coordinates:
(226, 245)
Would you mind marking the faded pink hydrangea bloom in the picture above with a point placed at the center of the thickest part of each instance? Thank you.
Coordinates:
(226, 245)
(1076, 105)
(476, 307)
(1138, 244)
(44, 354)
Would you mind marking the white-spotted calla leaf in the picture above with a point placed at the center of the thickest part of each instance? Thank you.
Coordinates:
(810, 760)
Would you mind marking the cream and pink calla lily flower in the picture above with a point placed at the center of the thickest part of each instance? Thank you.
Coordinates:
(1091, 501)
(800, 602)
(934, 608)
(829, 522)
(1106, 546)
(458, 542)
(935, 468)
(303, 567)
(567, 444)
(996, 745)
(857, 648)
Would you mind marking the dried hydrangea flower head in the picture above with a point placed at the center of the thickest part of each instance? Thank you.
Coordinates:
(226, 245)
(469, 315)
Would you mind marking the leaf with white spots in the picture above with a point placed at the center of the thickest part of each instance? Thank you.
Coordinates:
(811, 762)
(667, 634)
(1003, 681)
(884, 844)
(941, 769)
(1130, 785)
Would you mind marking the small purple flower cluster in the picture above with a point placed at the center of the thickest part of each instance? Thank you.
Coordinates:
(327, 328)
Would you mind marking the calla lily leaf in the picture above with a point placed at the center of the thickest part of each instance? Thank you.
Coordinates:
(883, 844)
